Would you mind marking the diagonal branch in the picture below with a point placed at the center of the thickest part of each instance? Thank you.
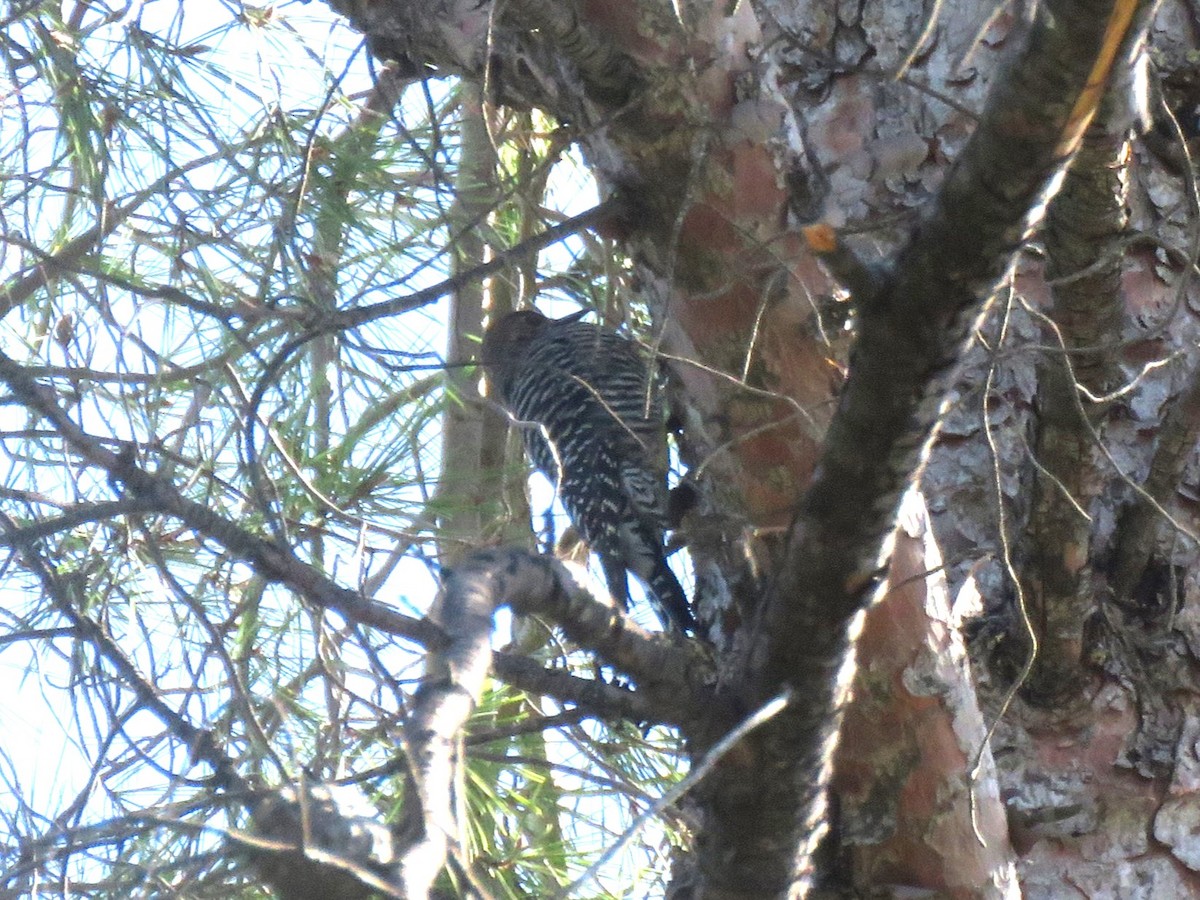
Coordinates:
(201, 742)
(360, 315)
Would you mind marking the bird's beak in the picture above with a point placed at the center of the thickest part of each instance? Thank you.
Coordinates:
(574, 317)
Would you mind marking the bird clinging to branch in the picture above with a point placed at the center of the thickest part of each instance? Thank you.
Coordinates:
(592, 415)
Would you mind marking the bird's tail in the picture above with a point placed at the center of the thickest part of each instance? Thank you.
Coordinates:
(665, 593)
(670, 602)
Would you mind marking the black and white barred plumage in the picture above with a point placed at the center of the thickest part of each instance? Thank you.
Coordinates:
(590, 407)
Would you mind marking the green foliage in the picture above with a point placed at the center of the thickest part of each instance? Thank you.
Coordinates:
(190, 196)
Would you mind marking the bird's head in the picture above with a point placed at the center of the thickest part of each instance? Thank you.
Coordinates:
(506, 341)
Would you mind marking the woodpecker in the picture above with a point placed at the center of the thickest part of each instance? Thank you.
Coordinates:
(590, 407)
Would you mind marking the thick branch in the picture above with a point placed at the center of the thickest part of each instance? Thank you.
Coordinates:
(462, 37)
(1083, 231)
(668, 673)
(455, 679)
